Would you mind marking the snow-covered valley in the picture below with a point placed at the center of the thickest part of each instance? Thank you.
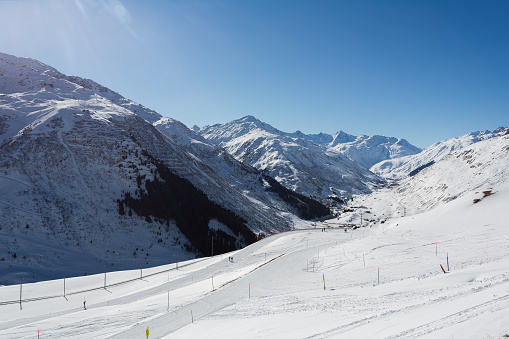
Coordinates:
(301, 284)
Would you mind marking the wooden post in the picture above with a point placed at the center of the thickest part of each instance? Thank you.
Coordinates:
(448, 269)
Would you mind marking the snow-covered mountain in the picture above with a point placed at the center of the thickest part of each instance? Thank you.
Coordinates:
(364, 150)
(480, 168)
(297, 163)
(400, 168)
(86, 178)
(254, 184)
(316, 165)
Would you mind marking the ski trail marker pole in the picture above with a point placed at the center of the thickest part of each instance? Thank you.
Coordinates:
(192, 318)
(442, 269)
(324, 282)
(448, 269)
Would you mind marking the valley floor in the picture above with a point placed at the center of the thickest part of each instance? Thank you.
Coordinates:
(383, 281)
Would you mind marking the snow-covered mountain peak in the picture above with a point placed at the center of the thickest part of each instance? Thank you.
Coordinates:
(400, 168)
(25, 75)
(253, 123)
(370, 150)
(246, 127)
(320, 138)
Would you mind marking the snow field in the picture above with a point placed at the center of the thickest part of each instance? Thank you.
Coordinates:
(287, 300)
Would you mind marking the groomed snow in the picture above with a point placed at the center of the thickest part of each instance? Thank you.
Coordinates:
(284, 276)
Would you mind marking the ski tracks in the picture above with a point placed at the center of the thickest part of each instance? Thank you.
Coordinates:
(429, 327)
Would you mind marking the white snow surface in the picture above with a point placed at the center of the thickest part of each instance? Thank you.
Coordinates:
(382, 281)
(399, 168)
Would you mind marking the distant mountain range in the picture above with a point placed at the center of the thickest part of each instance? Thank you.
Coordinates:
(317, 165)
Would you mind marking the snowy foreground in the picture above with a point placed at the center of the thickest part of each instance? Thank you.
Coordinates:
(275, 288)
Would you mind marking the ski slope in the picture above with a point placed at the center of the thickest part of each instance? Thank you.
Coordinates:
(275, 289)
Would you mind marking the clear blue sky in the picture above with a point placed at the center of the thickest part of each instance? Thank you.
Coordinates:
(420, 70)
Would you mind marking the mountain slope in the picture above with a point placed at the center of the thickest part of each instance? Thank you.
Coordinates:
(401, 167)
(78, 164)
(256, 185)
(479, 168)
(297, 163)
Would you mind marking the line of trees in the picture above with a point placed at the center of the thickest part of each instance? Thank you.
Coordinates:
(174, 198)
(306, 208)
